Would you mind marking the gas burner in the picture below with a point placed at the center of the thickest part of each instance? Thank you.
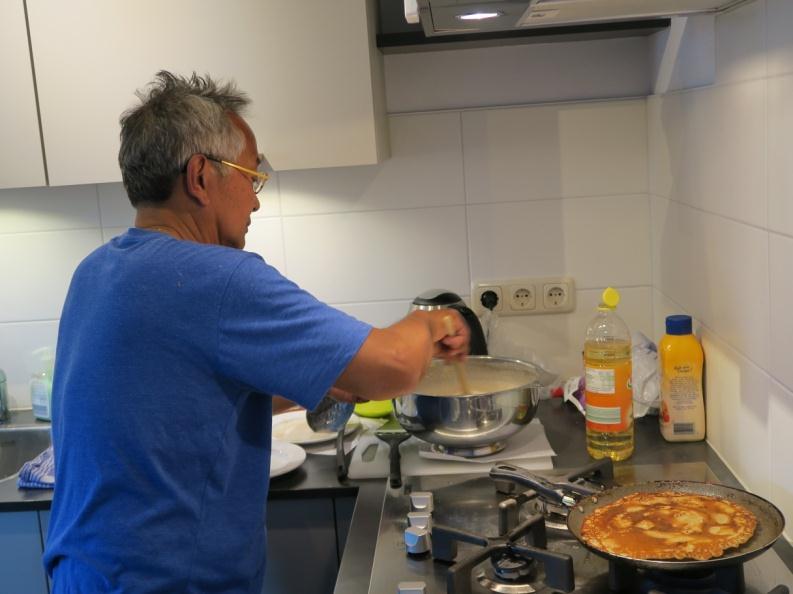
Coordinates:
(487, 579)
(511, 569)
(508, 574)
(512, 564)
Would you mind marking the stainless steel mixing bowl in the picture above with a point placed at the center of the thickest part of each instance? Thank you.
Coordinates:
(505, 400)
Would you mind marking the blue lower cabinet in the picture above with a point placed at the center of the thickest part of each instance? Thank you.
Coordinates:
(21, 571)
(44, 522)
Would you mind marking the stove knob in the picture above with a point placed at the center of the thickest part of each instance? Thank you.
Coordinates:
(417, 540)
(411, 588)
(420, 520)
(421, 501)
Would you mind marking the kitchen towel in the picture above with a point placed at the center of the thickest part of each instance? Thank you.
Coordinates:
(38, 473)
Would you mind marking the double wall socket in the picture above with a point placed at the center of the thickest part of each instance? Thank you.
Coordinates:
(525, 296)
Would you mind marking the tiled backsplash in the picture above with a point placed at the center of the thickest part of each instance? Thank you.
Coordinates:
(468, 195)
(722, 224)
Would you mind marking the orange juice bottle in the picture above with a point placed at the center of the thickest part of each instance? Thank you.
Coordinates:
(682, 414)
(609, 394)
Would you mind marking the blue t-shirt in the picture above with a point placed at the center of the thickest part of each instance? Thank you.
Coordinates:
(168, 352)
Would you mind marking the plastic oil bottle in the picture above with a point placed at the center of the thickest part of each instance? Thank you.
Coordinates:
(609, 394)
(682, 415)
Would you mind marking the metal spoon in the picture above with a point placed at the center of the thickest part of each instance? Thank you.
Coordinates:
(329, 415)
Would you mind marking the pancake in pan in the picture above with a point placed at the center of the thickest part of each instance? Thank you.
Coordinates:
(668, 525)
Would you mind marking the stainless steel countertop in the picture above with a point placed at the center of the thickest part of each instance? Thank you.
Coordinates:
(564, 427)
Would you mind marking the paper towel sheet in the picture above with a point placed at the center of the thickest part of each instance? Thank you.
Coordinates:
(375, 463)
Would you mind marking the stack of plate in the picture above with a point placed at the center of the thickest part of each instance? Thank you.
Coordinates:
(290, 432)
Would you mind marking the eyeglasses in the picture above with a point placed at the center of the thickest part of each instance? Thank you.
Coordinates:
(258, 179)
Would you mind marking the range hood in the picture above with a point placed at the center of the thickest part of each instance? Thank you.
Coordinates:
(460, 17)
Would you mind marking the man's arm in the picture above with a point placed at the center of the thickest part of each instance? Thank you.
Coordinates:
(392, 360)
(281, 404)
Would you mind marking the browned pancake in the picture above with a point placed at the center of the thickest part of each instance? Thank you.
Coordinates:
(668, 525)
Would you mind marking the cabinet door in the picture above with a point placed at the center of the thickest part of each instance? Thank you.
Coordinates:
(301, 547)
(21, 160)
(309, 67)
(21, 570)
(44, 524)
(345, 506)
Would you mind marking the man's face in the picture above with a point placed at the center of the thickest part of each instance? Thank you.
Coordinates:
(238, 200)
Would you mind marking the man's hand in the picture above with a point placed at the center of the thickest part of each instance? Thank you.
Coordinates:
(454, 345)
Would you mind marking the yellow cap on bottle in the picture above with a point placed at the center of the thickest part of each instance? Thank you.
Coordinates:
(610, 298)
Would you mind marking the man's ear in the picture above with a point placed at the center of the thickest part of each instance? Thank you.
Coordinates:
(198, 177)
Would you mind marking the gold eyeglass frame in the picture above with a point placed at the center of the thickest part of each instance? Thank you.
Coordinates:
(260, 176)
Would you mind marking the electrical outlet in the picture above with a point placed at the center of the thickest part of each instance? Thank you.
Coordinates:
(483, 294)
(521, 297)
(554, 295)
(525, 296)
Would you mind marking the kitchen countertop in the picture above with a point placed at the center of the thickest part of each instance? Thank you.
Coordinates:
(564, 427)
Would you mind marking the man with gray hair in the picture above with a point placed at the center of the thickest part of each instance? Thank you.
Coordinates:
(173, 343)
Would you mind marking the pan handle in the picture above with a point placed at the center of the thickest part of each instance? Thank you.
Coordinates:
(523, 477)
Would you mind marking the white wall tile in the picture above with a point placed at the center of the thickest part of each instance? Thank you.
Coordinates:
(577, 149)
(718, 270)
(38, 268)
(269, 198)
(662, 128)
(737, 411)
(598, 241)
(265, 237)
(109, 233)
(425, 169)
(690, 120)
(708, 149)
(555, 341)
(781, 444)
(379, 313)
(663, 306)
(48, 209)
(740, 43)
(780, 255)
(18, 340)
(779, 16)
(741, 149)
(114, 206)
(380, 255)
(692, 60)
(516, 74)
(780, 153)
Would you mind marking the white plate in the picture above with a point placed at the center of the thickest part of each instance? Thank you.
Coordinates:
(293, 427)
(284, 457)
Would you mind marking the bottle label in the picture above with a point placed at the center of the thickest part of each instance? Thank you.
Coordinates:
(603, 415)
(39, 399)
(600, 381)
(609, 397)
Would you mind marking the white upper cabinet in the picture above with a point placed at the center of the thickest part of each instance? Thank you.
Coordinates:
(310, 67)
(21, 161)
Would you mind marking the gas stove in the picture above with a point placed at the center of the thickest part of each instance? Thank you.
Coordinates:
(470, 534)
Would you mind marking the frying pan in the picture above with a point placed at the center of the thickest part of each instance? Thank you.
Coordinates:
(583, 501)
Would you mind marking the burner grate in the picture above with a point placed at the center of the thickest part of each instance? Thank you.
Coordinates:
(558, 566)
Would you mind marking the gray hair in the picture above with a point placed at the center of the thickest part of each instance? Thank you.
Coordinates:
(178, 118)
